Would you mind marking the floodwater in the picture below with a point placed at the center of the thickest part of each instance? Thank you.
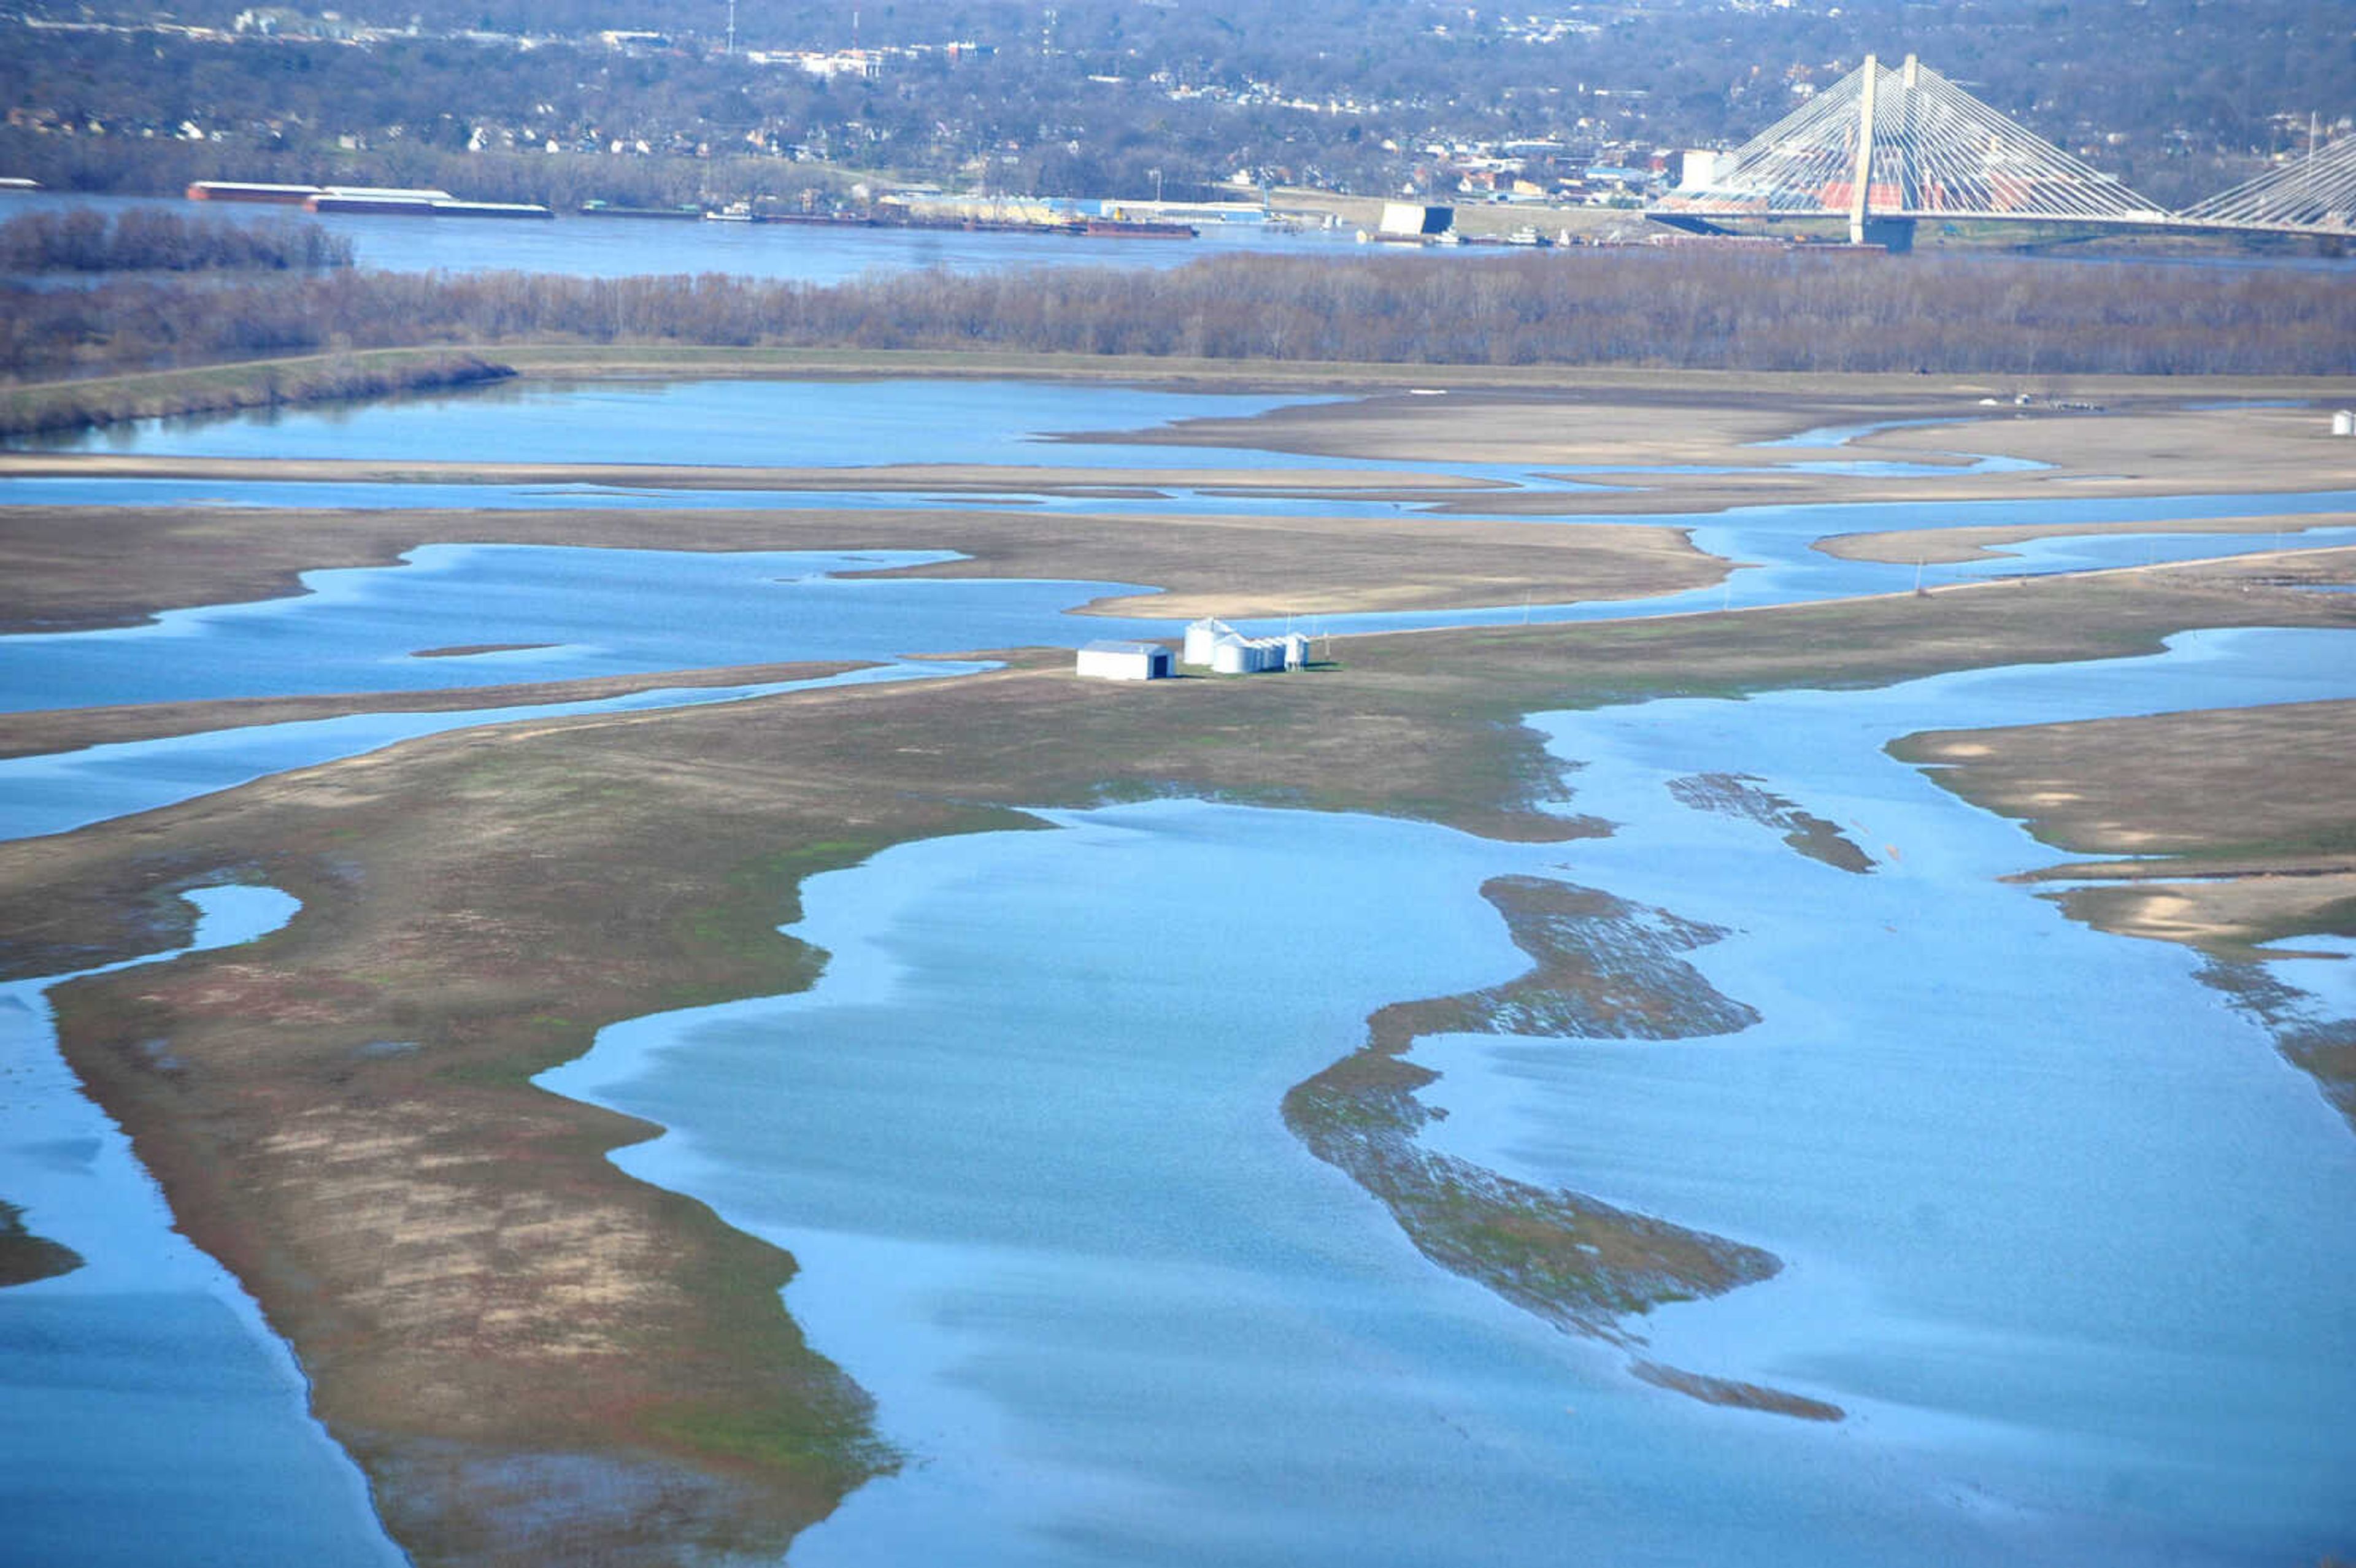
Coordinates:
(60, 791)
(785, 424)
(147, 1414)
(556, 613)
(2064, 1233)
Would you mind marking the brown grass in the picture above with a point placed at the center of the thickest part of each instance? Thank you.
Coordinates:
(2152, 786)
(102, 566)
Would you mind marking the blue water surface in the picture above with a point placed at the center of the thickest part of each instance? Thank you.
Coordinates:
(579, 613)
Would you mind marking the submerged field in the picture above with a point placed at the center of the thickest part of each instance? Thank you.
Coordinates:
(533, 1353)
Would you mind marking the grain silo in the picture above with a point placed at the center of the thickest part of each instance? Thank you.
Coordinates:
(1202, 636)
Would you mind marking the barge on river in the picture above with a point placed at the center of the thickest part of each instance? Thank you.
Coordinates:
(400, 201)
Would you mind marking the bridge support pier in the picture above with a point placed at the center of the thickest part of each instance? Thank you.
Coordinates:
(1894, 234)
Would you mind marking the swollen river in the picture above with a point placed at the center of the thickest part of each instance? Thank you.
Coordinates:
(2064, 1236)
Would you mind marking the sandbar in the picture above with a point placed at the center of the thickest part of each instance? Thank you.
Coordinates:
(1944, 547)
(94, 566)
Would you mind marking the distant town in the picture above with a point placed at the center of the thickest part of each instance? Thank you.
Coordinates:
(1586, 106)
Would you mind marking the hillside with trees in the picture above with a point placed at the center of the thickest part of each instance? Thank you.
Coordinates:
(502, 99)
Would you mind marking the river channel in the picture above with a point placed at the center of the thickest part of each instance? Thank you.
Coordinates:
(2064, 1236)
(610, 248)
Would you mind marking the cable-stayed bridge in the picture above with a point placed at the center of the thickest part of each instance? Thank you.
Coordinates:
(1886, 149)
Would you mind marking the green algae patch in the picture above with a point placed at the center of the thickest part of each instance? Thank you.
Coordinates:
(1603, 968)
(831, 1443)
(26, 1258)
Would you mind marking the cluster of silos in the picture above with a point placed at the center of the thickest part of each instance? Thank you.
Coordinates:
(1226, 650)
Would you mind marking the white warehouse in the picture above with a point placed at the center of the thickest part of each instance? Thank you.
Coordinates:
(1126, 661)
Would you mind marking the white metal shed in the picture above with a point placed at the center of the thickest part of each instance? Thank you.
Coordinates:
(1126, 661)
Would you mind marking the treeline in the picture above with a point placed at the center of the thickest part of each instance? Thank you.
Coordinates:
(336, 378)
(1804, 309)
(148, 242)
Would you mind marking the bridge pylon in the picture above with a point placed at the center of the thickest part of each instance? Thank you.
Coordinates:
(2316, 195)
(1884, 149)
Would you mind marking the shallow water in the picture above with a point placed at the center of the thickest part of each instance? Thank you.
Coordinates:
(58, 792)
(148, 1413)
(2051, 1203)
(582, 612)
(2064, 1233)
(1023, 1141)
(610, 612)
(786, 424)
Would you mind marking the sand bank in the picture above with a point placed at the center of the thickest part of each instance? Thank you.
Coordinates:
(2146, 443)
(1946, 545)
(94, 566)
